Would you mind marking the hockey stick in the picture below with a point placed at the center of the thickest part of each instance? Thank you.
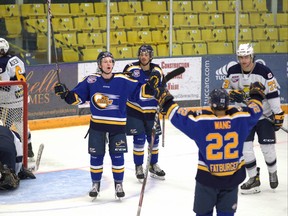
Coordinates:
(163, 130)
(53, 39)
(39, 155)
(168, 77)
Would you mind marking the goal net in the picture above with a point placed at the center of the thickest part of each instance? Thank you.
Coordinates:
(14, 110)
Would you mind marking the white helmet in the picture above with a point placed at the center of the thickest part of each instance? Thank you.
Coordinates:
(245, 50)
(4, 46)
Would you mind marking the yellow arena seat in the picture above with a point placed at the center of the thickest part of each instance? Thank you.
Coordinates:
(204, 6)
(211, 20)
(90, 54)
(82, 9)
(181, 7)
(194, 49)
(262, 33)
(214, 34)
(268, 19)
(62, 9)
(282, 19)
(283, 33)
(136, 22)
(100, 8)
(158, 7)
(130, 7)
(90, 39)
(86, 23)
(230, 19)
(125, 52)
(63, 24)
(35, 25)
(9, 10)
(280, 46)
(32, 10)
(245, 34)
(159, 21)
(116, 38)
(42, 42)
(184, 21)
(70, 55)
(13, 26)
(225, 6)
(116, 22)
(139, 37)
(160, 36)
(266, 46)
(188, 36)
(220, 47)
(66, 40)
(163, 50)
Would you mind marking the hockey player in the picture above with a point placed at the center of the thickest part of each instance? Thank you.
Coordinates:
(11, 155)
(219, 134)
(107, 93)
(237, 84)
(12, 69)
(141, 114)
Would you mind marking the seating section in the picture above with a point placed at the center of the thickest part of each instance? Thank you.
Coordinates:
(200, 27)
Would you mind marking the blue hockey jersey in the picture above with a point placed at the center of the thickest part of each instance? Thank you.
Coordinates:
(220, 141)
(107, 100)
(137, 107)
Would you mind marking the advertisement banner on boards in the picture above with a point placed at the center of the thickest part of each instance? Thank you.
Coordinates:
(43, 103)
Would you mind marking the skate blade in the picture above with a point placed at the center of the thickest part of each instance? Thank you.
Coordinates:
(251, 191)
(152, 175)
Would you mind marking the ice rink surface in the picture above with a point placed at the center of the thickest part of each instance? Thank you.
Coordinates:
(63, 180)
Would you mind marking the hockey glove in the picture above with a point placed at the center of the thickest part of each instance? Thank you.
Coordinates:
(163, 96)
(25, 173)
(61, 90)
(278, 121)
(154, 79)
(237, 96)
(257, 91)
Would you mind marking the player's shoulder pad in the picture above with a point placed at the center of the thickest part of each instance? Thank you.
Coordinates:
(131, 66)
(235, 69)
(122, 75)
(262, 70)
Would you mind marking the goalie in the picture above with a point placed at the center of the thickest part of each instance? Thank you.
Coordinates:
(11, 155)
(12, 69)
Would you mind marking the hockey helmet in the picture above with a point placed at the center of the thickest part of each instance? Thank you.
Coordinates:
(146, 48)
(104, 55)
(219, 99)
(245, 50)
(4, 46)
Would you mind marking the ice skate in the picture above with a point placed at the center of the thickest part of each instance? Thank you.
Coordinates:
(156, 172)
(252, 185)
(95, 190)
(139, 173)
(119, 192)
(273, 178)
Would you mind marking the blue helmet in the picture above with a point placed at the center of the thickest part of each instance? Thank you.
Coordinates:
(104, 55)
(219, 99)
(146, 48)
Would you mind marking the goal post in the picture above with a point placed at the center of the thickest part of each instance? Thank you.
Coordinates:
(14, 110)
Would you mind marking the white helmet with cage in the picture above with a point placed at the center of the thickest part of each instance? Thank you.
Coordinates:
(4, 46)
(245, 50)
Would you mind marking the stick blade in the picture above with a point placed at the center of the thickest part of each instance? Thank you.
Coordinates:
(174, 73)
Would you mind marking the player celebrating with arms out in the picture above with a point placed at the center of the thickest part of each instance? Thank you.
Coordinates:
(107, 93)
(141, 114)
(237, 82)
(219, 134)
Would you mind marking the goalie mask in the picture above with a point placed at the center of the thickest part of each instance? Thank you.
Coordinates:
(4, 46)
(219, 99)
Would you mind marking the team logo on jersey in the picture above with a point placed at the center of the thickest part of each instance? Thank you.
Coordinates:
(91, 79)
(136, 73)
(235, 79)
(101, 101)
(13, 62)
